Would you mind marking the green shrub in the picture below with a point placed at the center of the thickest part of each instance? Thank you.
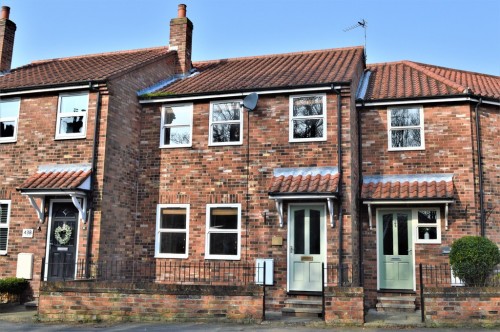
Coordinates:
(13, 285)
(473, 258)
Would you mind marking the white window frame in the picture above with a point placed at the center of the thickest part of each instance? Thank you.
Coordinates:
(212, 123)
(164, 126)
(9, 119)
(210, 230)
(419, 127)
(437, 225)
(292, 118)
(60, 115)
(6, 225)
(160, 230)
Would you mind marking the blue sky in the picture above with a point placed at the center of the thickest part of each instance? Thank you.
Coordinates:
(453, 33)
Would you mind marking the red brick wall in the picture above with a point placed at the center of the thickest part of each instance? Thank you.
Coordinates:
(456, 306)
(344, 305)
(148, 302)
(448, 149)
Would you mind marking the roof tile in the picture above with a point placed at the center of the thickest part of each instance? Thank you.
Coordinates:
(317, 180)
(57, 177)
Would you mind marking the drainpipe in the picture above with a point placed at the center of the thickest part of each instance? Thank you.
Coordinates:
(360, 181)
(337, 90)
(92, 180)
(480, 169)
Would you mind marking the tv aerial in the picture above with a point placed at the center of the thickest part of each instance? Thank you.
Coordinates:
(363, 24)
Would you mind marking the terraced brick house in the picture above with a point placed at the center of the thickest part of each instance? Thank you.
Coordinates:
(430, 170)
(69, 142)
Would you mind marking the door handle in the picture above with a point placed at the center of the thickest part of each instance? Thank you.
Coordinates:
(291, 249)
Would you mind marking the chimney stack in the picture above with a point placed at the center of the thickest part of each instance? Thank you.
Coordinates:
(181, 37)
(7, 33)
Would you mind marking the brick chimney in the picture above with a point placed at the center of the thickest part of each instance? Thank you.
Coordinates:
(7, 33)
(181, 37)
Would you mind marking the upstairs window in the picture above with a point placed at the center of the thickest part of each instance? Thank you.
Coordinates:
(307, 118)
(172, 229)
(72, 116)
(4, 226)
(223, 235)
(406, 128)
(9, 114)
(226, 124)
(176, 126)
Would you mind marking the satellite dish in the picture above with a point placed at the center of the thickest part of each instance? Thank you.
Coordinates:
(250, 101)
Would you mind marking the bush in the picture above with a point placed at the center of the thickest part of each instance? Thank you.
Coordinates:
(13, 285)
(473, 258)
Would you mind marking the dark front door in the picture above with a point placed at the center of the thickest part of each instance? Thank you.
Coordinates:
(63, 241)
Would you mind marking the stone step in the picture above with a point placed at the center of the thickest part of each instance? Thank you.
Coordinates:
(396, 298)
(303, 302)
(301, 312)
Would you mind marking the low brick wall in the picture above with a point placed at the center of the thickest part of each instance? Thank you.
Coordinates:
(100, 301)
(458, 306)
(344, 305)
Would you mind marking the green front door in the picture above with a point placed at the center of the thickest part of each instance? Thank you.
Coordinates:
(395, 250)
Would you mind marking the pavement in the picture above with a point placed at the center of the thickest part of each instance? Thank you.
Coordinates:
(16, 317)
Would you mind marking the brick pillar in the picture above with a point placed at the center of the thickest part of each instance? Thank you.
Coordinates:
(7, 33)
(181, 37)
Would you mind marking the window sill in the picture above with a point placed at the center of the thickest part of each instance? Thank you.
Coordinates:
(183, 256)
(224, 258)
(61, 138)
(308, 140)
(175, 146)
(405, 149)
(225, 144)
(8, 141)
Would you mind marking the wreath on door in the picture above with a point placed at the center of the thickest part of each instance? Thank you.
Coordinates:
(63, 234)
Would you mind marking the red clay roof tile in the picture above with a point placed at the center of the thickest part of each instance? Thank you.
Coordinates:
(270, 71)
(416, 186)
(78, 69)
(57, 177)
(311, 180)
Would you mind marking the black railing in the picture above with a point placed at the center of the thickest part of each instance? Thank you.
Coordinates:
(442, 276)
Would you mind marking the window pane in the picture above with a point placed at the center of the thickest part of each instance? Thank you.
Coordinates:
(406, 138)
(299, 232)
(3, 238)
(71, 125)
(308, 106)
(178, 115)
(224, 218)
(74, 104)
(226, 111)
(308, 128)
(427, 233)
(172, 243)
(223, 244)
(173, 218)
(225, 133)
(177, 135)
(314, 231)
(402, 234)
(3, 213)
(427, 216)
(388, 234)
(405, 117)
(7, 128)
(9, 109)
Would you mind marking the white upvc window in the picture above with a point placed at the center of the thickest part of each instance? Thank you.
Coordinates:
(427, 226)
(307, 118)
(172, 231)
(223, 231)
(176, 126)
(4, 225)
(226, 123)
(72, 115)
(9, 118)
(405, 128)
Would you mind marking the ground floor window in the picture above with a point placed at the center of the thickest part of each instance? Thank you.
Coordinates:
(172, 229)
(4, 225)
(428, 227)
(223, 231)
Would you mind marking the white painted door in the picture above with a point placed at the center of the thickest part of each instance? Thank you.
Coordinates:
(395, 250)
(306, 247)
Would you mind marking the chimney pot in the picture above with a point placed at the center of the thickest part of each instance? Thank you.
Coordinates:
(181, 10)
(5, 12)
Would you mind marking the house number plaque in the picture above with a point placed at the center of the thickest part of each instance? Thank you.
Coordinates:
(28, 232)
(306, 258)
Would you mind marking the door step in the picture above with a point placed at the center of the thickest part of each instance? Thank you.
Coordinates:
(297, 307)
(396, 303)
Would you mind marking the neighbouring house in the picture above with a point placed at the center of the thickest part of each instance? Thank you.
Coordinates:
(342, 174)
(69, 144)
(429, 168)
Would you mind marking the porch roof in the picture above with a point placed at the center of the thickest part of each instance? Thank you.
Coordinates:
(305, 181)
(59, 177)
(407, 187)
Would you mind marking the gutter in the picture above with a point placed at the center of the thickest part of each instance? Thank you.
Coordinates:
(385, 102)
(80, 86)
(480, 170)
(338, 91)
